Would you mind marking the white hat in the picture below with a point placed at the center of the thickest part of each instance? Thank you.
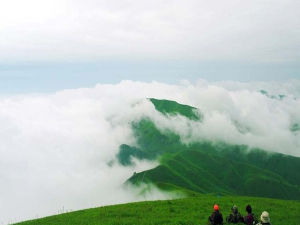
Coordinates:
(265, 218)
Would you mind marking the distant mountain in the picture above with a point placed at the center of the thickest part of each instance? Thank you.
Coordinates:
(206, 167)
(173, 108)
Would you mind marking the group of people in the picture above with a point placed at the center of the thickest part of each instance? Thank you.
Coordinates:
(216, 217)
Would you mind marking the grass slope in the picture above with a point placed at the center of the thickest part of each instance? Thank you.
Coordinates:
(207, 167)
(208, 172)
(151, 141)
(187, 211)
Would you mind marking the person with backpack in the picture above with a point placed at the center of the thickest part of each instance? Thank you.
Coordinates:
(265, 219)
(216, 217)
(250, 218)
(235, 216)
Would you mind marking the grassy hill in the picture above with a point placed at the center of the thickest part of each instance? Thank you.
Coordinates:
(204, 171)
(152, 142)
(187, 211)
(207, 167)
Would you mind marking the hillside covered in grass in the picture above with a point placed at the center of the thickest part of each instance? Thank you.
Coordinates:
(205, 171)
(187, 211)
(207, 167)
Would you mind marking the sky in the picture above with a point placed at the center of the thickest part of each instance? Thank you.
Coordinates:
(47, 46)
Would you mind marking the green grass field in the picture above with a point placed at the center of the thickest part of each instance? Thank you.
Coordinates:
(186, 211)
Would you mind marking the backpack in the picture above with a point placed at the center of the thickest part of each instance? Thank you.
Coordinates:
(250, 219)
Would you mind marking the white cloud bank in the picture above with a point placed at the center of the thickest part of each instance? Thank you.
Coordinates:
(64, 30)
(55, 148)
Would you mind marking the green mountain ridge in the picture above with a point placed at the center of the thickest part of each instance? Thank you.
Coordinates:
(168, 107)
(207, 173)
(207, 167)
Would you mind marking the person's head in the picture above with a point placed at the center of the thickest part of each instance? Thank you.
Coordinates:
(249, 209)
(234, 209)
(265, 218)
(216, 207)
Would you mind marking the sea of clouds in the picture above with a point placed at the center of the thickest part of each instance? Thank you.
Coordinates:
(56, 148)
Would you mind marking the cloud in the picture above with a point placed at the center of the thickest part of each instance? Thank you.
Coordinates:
(56, 148)
(238, 113)
(130, 30)
(55, 151)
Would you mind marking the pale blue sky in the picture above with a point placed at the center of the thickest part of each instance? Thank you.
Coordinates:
(53, 77)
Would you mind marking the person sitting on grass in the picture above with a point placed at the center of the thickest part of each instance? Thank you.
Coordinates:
(216, 217)
(265, 219)
(250, 218)
(235, 216)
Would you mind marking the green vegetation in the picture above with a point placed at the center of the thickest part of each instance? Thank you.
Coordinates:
(206, 167)
(295, 127)
(280, 97)
(216, 171)
(187, 211)
(173, 108)
(151, 141)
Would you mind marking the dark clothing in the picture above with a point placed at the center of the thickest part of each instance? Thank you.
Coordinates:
(261, 223)
(216, 218)
(235, 218)
(249, 219)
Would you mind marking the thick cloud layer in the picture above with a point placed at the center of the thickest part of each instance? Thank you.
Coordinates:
(64, 30)
(56, 149)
